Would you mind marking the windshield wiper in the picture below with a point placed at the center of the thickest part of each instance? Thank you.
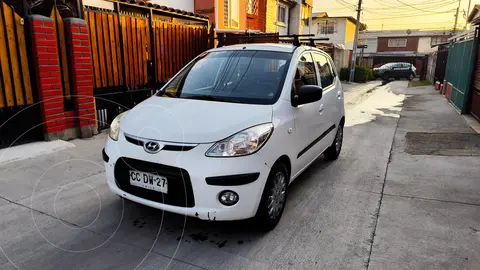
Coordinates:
(207, 97)
(168, 94)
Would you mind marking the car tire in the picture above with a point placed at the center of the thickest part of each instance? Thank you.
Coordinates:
(386, 77)
(273, 199)
(411, 77)
(334, 150)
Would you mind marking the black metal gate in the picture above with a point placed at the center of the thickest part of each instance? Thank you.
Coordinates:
(441, 65)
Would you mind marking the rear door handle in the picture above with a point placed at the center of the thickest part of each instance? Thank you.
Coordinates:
(321, 109)
(339, 95)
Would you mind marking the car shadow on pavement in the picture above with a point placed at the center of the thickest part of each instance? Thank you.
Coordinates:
(175, 229)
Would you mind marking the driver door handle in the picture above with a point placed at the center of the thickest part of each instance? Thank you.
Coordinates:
(321, 109)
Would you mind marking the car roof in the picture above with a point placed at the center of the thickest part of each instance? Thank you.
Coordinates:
(272, 47)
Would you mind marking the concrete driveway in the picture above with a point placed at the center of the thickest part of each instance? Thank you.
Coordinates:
(56, 211)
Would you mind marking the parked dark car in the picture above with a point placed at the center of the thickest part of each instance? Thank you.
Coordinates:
(396, 71)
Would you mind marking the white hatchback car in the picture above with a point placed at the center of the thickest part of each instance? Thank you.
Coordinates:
(224, 138)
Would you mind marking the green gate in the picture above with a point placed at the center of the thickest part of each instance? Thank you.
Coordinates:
(459, 70)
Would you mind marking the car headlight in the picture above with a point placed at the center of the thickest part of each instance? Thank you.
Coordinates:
(115, 126)
(243, 143)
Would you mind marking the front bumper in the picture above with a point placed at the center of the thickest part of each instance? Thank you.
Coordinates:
(199, 167)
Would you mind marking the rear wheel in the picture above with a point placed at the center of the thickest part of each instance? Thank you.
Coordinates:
(411, 77)
(274, 198)
(333, 151)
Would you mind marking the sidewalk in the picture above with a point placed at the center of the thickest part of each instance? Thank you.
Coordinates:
(429, 215)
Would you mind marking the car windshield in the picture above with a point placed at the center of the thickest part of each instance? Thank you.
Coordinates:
(245, 76)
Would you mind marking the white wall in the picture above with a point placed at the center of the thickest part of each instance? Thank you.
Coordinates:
(371, 43)
(424, 45)
(187, 5)
(340, 30)
(294, 19)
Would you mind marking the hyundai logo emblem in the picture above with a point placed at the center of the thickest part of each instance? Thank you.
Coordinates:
(152, 147)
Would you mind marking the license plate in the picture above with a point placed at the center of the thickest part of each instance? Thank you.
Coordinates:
(149, 181)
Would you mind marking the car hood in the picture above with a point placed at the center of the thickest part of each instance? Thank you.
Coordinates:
(191, 121)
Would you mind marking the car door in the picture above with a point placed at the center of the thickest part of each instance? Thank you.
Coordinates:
(331, 98)
(308, 124)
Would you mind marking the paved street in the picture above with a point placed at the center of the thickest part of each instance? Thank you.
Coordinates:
(376, 207)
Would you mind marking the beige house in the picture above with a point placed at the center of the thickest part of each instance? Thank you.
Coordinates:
(288, 16)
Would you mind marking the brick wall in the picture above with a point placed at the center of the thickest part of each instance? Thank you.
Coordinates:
(412, 45)
(60, 124)
(47, 75)
(81, 74)
(257, 21)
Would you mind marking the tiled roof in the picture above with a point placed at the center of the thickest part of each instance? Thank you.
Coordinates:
(159, 7)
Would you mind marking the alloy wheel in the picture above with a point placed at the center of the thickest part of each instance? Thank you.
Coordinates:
(276, 199)
(339, 139)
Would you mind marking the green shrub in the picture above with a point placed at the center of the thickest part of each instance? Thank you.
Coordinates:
(344, 74)
(371, 76)
(361, 74)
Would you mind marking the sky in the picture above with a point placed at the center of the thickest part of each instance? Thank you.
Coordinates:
(400, 14)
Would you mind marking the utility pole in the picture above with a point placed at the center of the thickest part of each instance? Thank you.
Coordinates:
(456, 16)
(468, 10)
(355, 42)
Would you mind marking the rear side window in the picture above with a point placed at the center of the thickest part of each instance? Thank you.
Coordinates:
(325, 70)
(305, 74)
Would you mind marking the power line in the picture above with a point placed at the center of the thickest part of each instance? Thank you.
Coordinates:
(409, 16)
(346, 4)
(386, 24)
(427, 11)
(430, 5)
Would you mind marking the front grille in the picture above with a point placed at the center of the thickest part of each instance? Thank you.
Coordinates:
(180, 192)
(166, 147)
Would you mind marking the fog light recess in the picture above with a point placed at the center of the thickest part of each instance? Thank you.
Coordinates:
(228, 197)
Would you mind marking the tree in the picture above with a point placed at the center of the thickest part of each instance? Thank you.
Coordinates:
(363, 27)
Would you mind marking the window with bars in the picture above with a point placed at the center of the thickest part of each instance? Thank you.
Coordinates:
(282, 14)
(252, 7)
(397, 43)
(438, 40)
(306, 13)
(326, 28)
(231, 13)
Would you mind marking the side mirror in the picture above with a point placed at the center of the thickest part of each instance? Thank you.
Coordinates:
(307, 94)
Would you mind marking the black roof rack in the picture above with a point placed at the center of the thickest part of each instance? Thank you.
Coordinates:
(248, 37)
(311, 41)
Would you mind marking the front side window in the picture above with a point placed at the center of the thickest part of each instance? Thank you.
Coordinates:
(325, 69)
(253, 77)
(305, 74)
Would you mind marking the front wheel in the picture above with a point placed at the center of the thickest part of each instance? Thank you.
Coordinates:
(411, 77)
(274, 198)
(333, 151)
(385, 77)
